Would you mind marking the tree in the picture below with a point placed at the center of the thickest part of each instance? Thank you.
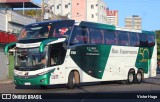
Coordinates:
(158, 43)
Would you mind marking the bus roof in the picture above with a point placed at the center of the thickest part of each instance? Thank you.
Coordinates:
(95, 25)
(111, 27)
(46, 22)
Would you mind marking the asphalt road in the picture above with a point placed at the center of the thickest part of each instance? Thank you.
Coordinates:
(148, 85)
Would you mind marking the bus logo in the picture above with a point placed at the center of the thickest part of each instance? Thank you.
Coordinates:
(73, 52)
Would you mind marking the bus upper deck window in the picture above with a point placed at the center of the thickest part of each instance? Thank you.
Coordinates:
(44, 32)
(134, 39)
(151, 40)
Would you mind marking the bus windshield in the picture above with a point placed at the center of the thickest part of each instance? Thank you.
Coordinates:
(27, 58)
(40, 31)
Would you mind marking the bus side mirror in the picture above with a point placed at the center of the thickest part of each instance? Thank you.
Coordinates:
(9, 46)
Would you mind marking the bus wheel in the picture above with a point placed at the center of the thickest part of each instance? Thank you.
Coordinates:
(43, 86)
(130, 79)
(138, 77)
(73, 79)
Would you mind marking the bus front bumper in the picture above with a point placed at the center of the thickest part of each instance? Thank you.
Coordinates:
(33, 80)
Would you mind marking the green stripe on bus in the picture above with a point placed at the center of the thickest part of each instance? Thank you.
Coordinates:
(44, 43)
(36, 80)
(98, 25)
(91, 59)
(148, 32)
(143, 58)
(6, 49)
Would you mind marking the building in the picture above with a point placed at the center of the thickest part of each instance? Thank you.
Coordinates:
(134, 22)
(11, 24)
(11, 21)
(112, 17)
(80, 10)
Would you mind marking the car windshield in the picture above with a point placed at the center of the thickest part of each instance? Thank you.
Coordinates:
(39, 31)
(30, 58)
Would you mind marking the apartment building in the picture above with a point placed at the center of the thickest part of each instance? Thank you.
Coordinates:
(134, 22)
(112, 17)
(80, 10)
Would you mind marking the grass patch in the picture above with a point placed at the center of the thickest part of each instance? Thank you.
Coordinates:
(11, 66)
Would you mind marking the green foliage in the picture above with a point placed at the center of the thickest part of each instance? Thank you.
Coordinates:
(31, 12)
(11, 66)
(158, 43)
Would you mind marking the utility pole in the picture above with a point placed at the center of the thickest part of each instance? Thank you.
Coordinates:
(42, 13)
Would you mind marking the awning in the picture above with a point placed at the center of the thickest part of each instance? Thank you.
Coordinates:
(19, 4)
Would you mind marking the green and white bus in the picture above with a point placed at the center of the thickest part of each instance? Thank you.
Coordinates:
(71, 53)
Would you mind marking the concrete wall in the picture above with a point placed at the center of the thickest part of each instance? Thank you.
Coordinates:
(3, 64)
(3, 21)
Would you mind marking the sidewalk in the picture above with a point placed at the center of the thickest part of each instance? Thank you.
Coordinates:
(8, 81)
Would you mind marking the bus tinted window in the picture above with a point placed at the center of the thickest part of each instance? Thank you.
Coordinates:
(134, 39)
(79, 36)
(123, 39)
(109, 37)
(62, 31)
(96, 36)
(39, 31)
(143, 40)
(151, 40)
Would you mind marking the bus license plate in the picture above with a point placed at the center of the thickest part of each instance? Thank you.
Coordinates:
(27, 83)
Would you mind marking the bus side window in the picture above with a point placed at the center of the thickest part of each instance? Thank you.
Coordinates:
(151, 40)
(79, 36)
(123, 38)
(110, 37)
(134, 39)
(95, 36)
(143, 40)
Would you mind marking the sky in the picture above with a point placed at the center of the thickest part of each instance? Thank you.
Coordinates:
(148, 10)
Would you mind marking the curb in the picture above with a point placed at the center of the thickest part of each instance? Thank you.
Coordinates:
(6, 82)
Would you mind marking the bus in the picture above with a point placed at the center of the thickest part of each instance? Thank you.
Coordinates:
(72, 53)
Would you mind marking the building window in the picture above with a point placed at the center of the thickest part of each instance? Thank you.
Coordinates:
(96, 4)
(92, 6)
(57, 7)
(77, 3)
(92, 15)
(66, 6)
(77, 13)
(69, 3)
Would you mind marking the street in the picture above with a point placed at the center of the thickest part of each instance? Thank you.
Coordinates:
(148, 85)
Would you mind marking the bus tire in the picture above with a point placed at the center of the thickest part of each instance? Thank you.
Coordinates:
(138, 77)
(71, 81)
(130, 79)
(43, 86)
